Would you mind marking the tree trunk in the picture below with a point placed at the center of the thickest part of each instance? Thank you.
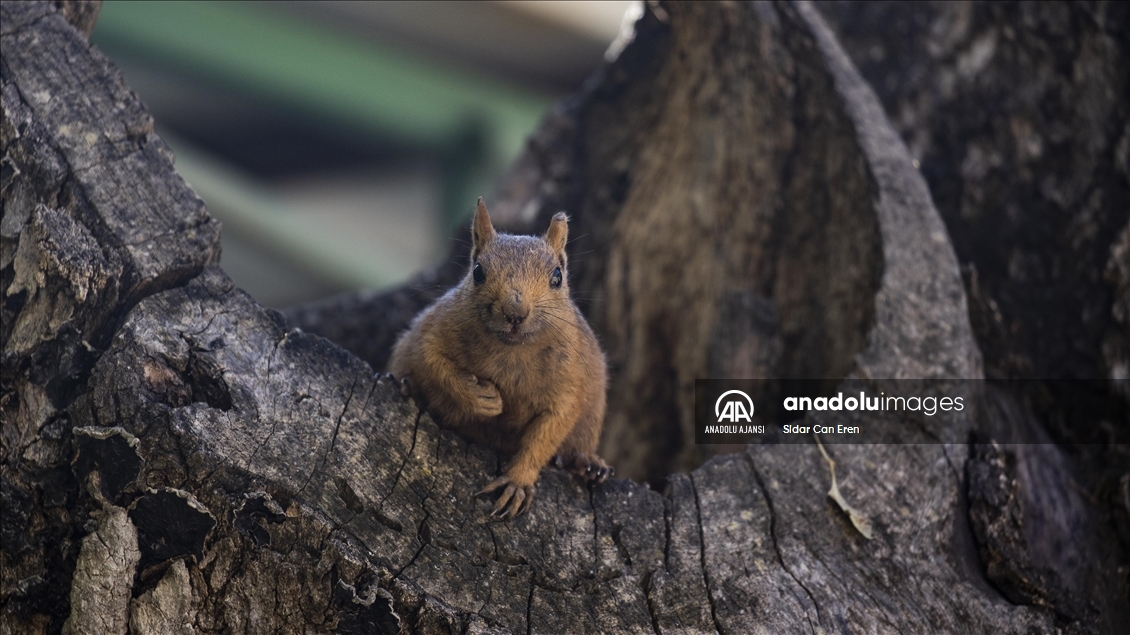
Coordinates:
(175, 453)
(1035, 192)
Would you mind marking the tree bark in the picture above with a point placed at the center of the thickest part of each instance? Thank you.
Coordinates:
(1035, 192)
(746, 207)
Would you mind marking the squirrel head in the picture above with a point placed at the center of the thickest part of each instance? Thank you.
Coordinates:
(519, 284)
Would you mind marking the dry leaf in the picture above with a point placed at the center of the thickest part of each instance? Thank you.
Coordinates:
(861, 522)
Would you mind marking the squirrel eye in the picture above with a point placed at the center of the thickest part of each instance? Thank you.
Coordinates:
(478, 274)
(555, 279)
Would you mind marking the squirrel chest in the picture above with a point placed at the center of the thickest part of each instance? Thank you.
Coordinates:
(531, 380)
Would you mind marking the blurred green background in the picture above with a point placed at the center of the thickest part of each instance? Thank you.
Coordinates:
(340, 142)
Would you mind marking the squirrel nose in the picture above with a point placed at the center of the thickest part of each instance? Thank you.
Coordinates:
(515, 315)
(515, 311)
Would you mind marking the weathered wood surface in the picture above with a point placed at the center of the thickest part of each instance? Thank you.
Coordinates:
(279, 486)
(1035, 192)
(1035, 189)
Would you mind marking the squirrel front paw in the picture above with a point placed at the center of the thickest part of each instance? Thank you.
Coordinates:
(485, 395)
(514, 500)
(402, 385)
(589, 467)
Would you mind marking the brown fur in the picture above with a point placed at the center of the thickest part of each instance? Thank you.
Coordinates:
(510, 362)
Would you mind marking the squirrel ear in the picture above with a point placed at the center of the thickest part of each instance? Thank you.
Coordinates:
(482, 232)
(557, 234)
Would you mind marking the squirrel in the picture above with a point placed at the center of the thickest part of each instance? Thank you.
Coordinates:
(506, 359)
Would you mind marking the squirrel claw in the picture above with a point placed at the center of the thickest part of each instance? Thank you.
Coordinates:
(589, 467)
(598, 473)
(487, 400)
(512, 502)
(402, 384)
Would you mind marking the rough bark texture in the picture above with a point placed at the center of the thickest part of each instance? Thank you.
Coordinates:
(740, 186)
(94, 219)
(103, 579)
(1035, 192)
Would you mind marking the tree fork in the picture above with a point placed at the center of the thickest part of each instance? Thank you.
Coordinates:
(307, 495)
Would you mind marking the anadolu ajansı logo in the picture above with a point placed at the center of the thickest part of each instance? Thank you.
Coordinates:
(734, 410)
(733, 419)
